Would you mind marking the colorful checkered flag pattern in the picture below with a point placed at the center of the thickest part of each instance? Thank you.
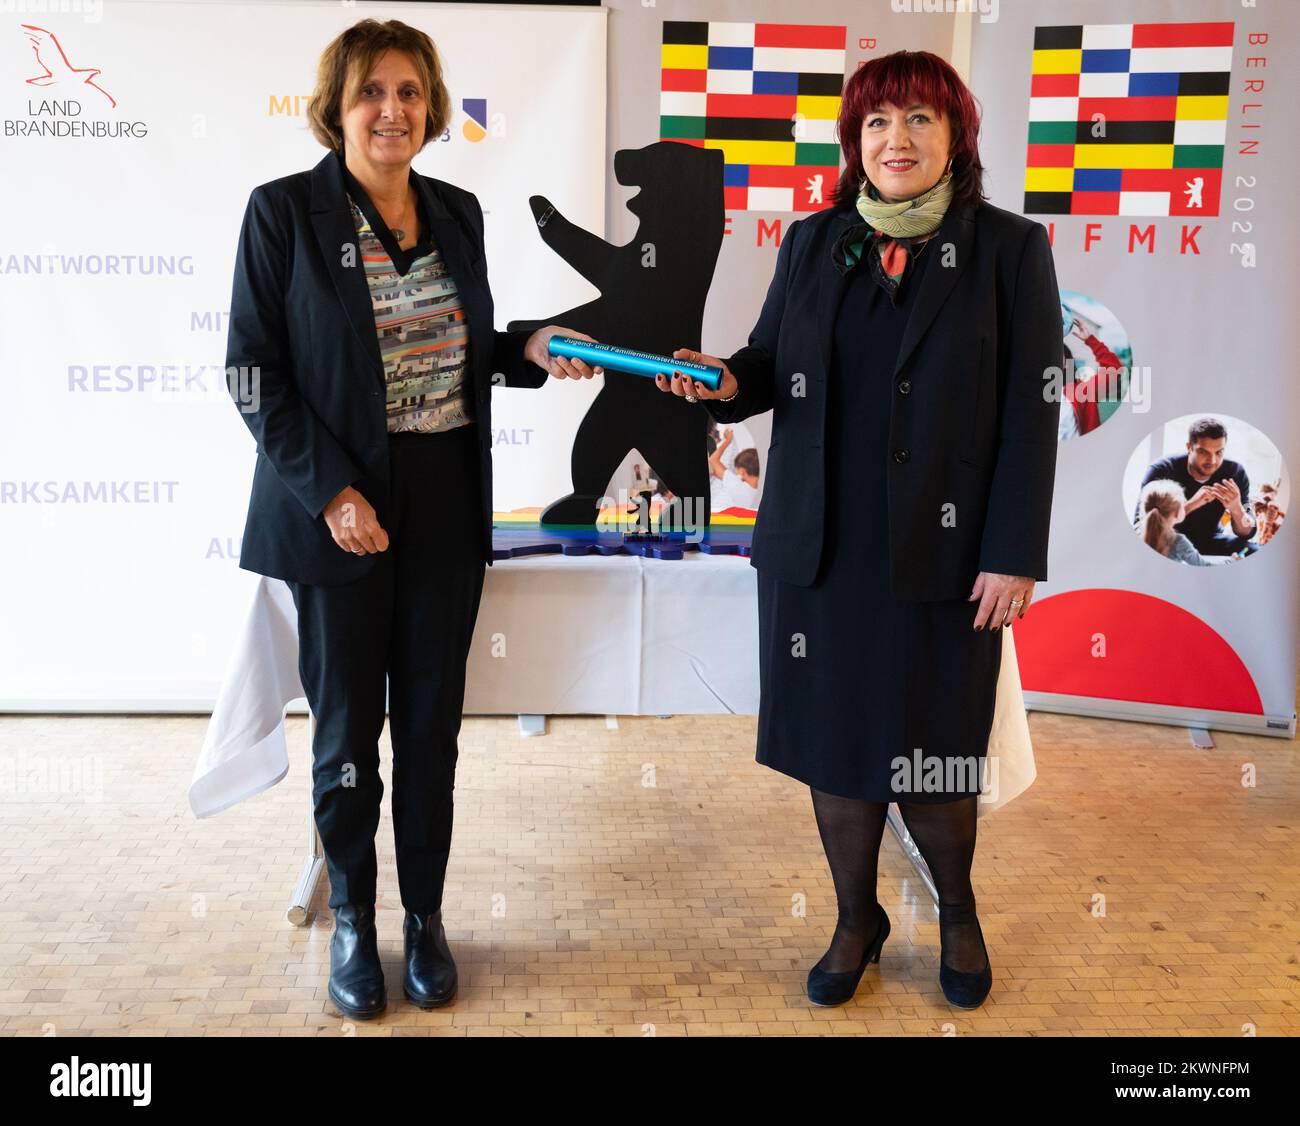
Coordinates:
(767, 96)
(1128, 119)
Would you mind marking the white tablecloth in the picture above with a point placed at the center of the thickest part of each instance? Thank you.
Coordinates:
(616, 635)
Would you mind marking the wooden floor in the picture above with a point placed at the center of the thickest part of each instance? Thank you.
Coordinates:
(1137, 887)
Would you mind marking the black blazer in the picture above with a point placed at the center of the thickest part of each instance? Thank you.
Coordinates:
(304, 319)
(971, 426)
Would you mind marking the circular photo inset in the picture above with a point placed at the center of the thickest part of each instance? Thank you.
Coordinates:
(1206, 489)
(1098, 359)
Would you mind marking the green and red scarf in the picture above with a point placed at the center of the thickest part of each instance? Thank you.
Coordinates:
(891, 228)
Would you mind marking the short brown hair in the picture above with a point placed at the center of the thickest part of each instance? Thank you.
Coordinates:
(748, 461)
(345, 63)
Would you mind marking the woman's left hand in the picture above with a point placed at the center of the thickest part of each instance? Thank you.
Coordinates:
(996, 594)
(558, 366)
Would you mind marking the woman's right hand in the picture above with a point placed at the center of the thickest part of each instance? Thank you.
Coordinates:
(683, 385)
(536, 351)
(353, 523)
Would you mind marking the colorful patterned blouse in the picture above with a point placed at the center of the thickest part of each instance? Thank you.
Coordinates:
(423, 334)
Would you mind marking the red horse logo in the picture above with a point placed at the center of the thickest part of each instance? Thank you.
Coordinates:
(48, 50)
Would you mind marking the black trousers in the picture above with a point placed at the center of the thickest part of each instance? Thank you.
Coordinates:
(405, 626)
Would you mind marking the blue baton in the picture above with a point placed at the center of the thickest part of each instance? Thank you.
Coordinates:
(632, 362)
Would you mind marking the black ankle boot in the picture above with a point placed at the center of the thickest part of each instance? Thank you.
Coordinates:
(966, 990)
(430, 971)
(356, 976)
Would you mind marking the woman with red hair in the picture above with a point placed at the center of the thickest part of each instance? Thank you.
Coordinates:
(905, 348)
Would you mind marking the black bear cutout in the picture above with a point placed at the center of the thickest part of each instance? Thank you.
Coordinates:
(652, 295)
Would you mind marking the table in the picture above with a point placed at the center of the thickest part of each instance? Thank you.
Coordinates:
(556, 634)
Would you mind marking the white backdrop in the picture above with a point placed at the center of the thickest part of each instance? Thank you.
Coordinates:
(124, 466)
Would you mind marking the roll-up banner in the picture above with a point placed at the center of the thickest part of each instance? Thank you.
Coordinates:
(131, 134)
(1153, 140)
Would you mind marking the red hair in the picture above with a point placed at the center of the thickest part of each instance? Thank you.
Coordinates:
(907, 78)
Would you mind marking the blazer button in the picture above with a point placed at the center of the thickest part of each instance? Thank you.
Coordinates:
(901, 456)
(904, 387)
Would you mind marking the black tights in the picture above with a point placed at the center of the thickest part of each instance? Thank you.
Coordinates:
(944, 833)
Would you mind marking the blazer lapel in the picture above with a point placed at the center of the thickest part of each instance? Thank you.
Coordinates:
(953, 243)
(831, 287)
(331, 218)
(449, 237)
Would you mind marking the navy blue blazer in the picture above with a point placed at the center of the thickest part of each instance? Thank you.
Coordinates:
(973, 428)
(301, 315)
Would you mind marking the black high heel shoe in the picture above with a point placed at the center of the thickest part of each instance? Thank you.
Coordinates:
(966, 990)
(825, 988)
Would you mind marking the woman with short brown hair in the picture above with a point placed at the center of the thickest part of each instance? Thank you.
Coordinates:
(361, 304)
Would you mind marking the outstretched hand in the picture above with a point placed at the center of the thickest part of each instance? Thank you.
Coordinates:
(683, 385)
(536, 352)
